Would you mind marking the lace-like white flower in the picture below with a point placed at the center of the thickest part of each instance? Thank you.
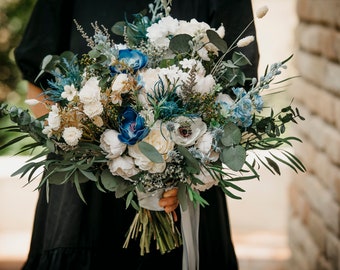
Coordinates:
(53, 118)
(72, 135)
(90, 92)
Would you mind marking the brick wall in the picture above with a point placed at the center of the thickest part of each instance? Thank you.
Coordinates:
(314, 221)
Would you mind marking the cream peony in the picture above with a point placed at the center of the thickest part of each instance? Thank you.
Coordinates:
(72, 135)
(123, 166)
(159, 138)
(110, 143)
(206, 178)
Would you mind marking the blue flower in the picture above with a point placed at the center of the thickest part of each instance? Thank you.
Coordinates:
(129, 59)
(132, 127)
(242, 113)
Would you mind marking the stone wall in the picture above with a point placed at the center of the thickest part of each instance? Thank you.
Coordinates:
(314, 221)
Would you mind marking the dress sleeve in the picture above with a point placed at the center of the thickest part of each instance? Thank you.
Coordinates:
(46, 33)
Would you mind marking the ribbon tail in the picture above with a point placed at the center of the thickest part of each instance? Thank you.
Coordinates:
(190, 229)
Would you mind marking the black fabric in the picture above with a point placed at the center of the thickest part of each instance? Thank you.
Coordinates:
(69, 234)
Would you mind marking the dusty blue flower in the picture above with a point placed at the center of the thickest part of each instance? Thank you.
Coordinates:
(132, 127)
(129, 59)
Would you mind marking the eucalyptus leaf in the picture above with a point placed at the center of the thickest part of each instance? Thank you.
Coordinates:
(231, 134)
(219, 42)
(150, 152)
(109, 181)
(189, 159)
(240, 59)
(180, 43)
(234, 157)
(118, 28)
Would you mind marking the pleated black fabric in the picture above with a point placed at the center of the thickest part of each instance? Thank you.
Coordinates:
(69, 234)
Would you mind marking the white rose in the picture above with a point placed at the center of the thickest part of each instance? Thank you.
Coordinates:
(72, 135)
(110, 143)
(53, 118)
(204, 144)
(93, 109)
(187, 130)
(123, 166)
(90, 92)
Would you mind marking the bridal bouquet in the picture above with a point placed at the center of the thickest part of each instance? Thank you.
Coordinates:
(169, 108)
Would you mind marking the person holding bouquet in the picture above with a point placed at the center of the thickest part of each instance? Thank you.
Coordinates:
(69, 234)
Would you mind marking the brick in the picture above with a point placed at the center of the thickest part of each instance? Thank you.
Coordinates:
(323, 171)
(311, 67)
(332, 250)
(333, 146)
(328, 43)
(308, 36)
(314, 128)
(321, 11)
(337, 113)
(305, 251)
(323, 264)
(331, 79)
(335, 172)
(317, 229)
(319, 101)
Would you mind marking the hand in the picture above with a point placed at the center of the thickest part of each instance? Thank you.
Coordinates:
(169, 201)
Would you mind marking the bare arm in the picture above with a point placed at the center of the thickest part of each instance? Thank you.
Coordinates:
(35, 92)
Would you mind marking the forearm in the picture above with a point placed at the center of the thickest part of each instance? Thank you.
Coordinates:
(35, 92)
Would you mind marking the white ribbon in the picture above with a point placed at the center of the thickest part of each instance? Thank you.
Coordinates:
(190, 229)
(150, 200)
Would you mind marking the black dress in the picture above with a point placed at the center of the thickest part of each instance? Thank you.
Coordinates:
(69, 234)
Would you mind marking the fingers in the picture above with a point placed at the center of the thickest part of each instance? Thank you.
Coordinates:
(169, 201)
(170, 193)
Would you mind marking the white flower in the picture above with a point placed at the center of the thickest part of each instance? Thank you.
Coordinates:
(187, 130)
(261, 12)
(123, 166)
(243, 42)
(110, 143)
(72, 135)
(204, 144)
(32, 102)
(191, 63)
(119, 86)
(90, 92)
(206, 178)
(119, 83)
(93, 109)
(53, 118)
(69, 92)
(47, 130)
(159, 33)
(160, 139)
(204, 85)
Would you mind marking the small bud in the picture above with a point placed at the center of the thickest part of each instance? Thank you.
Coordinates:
(261, 12)
(243, 42)
(32, 102)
